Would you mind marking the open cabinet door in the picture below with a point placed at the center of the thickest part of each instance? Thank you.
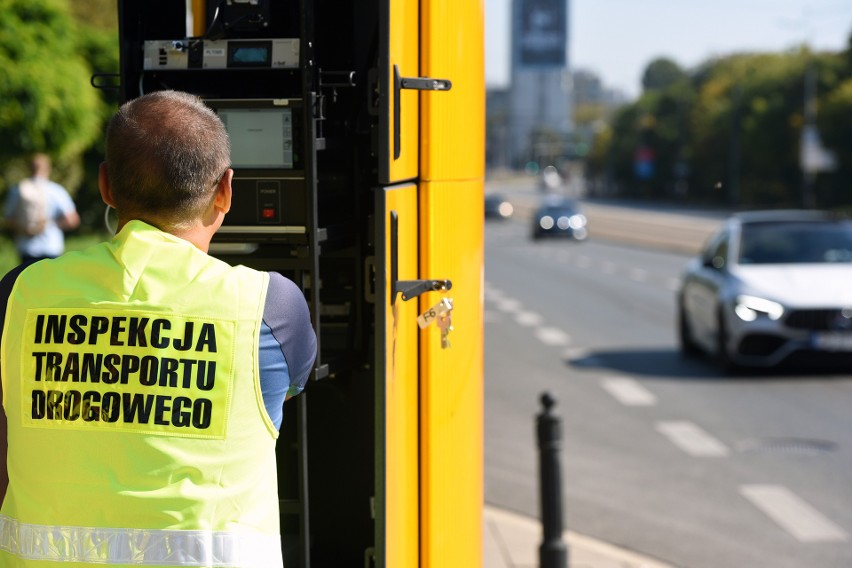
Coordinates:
(397, 432)
(397, 507)
(399, 107)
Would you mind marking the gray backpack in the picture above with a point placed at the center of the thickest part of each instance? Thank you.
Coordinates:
(30, 214)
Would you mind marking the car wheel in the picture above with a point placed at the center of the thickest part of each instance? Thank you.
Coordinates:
(688, 347)
(723, 356)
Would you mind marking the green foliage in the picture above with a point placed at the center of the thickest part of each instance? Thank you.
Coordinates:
(46, 102)
(730, 130)
(49, 50)
(662, 73)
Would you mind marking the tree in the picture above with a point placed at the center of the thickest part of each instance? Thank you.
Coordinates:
(661, 74)
(46, 101)
(731, 129)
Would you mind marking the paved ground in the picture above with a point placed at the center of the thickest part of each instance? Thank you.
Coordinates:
(512, 541)
(645, 224)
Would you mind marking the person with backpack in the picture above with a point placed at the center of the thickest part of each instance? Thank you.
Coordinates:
(38, 211)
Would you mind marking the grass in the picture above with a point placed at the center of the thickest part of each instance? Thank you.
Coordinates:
(9, 256)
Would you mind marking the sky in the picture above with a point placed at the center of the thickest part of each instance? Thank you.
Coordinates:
(616, 39)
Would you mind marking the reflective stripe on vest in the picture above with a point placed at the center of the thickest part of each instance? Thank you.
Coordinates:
(142, 547)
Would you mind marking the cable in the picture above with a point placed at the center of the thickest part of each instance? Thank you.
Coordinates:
(109, 228)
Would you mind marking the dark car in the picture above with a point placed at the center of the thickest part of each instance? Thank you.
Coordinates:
(770, 286)
(497, 206)
(559, 216)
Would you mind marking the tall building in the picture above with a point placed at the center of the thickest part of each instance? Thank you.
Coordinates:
(540, 92)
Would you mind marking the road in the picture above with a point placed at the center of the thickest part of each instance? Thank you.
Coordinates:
(661, 455)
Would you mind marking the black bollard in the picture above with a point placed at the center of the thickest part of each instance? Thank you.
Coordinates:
(553, 552)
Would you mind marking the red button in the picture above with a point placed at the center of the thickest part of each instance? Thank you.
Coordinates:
(268, 213)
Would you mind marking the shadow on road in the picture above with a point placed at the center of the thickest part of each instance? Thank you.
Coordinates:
(670, 364)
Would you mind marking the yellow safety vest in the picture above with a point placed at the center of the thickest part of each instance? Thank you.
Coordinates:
(136, 426)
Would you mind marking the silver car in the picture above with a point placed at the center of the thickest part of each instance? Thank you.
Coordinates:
(769, 287)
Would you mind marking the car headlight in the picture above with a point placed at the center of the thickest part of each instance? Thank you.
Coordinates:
(506, 209)
(563, 223)
(749, 308)
(546, 222)
(577, 221)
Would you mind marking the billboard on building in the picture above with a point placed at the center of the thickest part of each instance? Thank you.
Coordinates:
(542, 32)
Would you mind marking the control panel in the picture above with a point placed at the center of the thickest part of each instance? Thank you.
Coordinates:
(198, 53)
(267, 155)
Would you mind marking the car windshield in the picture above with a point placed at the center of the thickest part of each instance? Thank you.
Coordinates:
(796, 242)
(558, 206)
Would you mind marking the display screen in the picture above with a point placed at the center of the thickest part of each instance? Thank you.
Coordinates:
(249, 55)
(261, 137)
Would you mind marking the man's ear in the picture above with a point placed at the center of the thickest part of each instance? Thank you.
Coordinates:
(103, 185)
(224, 192)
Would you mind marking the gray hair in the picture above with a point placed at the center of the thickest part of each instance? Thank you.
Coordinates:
(165, 153)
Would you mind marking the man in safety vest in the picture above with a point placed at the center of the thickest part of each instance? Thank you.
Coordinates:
(143, 380)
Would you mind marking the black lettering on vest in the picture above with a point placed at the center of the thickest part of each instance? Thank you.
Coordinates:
(54, 404)
(186, 344)
(99, 326)
(116, 331)
(129, 365)
(148, 371)
(53, 366)
(168, 372)
(54, 331)
(72, 368)
(156, 329)
(136, 332)
(39, 405)
(188, 364)
(206, 375)
(111, 407)
(181, 414)
(162, 408)
(110, 376)
(137, 403)
(39, 358)
(90, 410)
(77, 335)
(202, 413)
(91, 370)
(71, 411)
(39, 330)
(207, 338)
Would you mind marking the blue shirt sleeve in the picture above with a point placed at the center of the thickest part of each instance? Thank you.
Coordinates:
(288, 345)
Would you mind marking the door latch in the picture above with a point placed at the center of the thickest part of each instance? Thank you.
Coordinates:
(416, 83)
(408, 288)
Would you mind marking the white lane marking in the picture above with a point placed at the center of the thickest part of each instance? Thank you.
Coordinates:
(692, 439)
(793, 514)
(528, 319)
(629, 392)
(552, 336)
(507, 305)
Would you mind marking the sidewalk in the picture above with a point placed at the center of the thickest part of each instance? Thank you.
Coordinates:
(512, 541)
